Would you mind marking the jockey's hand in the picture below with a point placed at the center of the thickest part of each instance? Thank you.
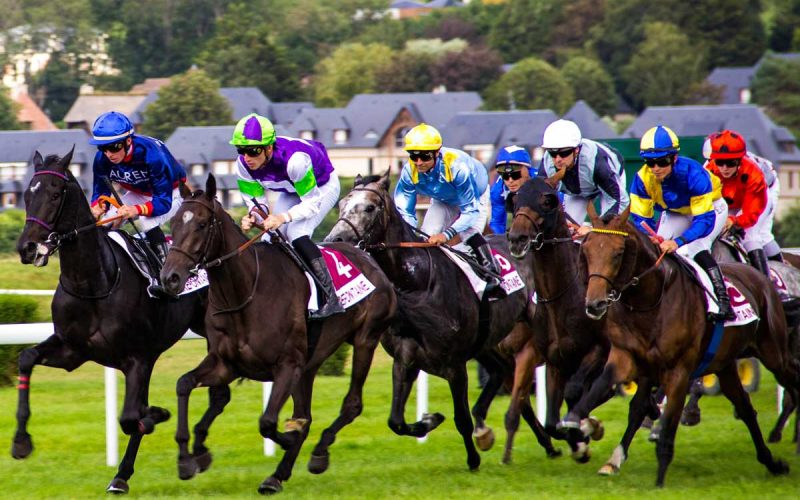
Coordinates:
(127, 211)
(247, 222)
(273, 222)
(582, 231)
(438, 239)
(668, 246)
(98, 211)
(736, 231)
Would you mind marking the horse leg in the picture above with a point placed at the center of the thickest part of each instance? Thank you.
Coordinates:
(403, 377)
(352, 406)
(640, 406)
(286, 382)
(461, 414)
(787, 408)
(51, 352)
(211, 371)
(218, 397)
(731, 386)
(691, 413)
(676, 385)
(555, 397)
(497, 367)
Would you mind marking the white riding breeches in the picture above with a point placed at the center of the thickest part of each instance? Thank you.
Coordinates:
(441, 216)
(673, 225)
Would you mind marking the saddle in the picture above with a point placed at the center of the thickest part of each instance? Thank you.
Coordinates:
(142, 258)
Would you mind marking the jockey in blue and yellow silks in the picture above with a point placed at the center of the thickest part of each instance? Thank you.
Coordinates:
(693, 210)
(457, 185)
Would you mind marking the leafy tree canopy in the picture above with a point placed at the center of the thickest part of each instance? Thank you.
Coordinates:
(523, 27)
(592, 83)
(776, 86)
(350, 70)
(190, 99)
(8, 111)
(530, 84)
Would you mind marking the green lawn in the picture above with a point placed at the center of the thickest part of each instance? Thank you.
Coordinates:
(713, 460)
(14, 275)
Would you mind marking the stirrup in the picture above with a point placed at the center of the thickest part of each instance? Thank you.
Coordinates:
(331, 307)
(157, 291)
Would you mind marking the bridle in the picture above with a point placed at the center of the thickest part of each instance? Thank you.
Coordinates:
(615, 293)
(361, 239)
(201, 262)
(55, 240)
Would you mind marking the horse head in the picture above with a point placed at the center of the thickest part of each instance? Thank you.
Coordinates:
(196, 235)
(364, 211)
(46, 214)
(537, 213)
(608, 254)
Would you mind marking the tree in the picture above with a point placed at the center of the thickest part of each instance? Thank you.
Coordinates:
(350, 70)
(783, 26)
(571, 30)
(58, 85)
(189, 99)
(473, 68)
(731, 31)
(592, 83)
(776, 86)
(8, 111)
(405, 73)
(663, 68)
(250, 58)
(523, 28)
(530, 84)
(787, 228)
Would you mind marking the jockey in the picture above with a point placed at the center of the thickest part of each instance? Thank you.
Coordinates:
(693, 210)
(457, 185)
(301, 173)
(147, 171)
(592, 168)
(764, 232)
(513, 165)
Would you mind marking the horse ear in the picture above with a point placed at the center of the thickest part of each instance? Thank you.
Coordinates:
(211, 186)
(385, 181)
(592, 212)
(38, 161)
(554, 179)
(67, 159)
(359, 180)
(623, 217)
(184, 190)
(549, 201)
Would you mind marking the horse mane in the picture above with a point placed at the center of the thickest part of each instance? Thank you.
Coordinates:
(409, 233)
(363, 181)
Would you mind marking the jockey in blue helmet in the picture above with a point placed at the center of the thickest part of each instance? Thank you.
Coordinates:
(513, 165)
(147, 172)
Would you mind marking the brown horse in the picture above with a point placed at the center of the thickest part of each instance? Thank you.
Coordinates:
(574, 346)
(257, 325)
(660, 336)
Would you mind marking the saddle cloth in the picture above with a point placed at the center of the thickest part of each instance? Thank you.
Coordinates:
(741, 306)
(511, 280)
(193, 284)
(350, 283)
(774, 274)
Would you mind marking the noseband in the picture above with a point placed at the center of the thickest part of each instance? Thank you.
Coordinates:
(53, 239)
(381, 211)
(538, 241)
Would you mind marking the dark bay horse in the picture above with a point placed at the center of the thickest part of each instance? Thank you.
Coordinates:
(574, 346)
(258, 328)
(660, 336)
(101, 309)
(442, 323)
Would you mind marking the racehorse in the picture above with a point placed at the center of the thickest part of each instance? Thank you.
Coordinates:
(574, 346)
(660, 336)
(258, 328)
(442, 323)
(101, 309)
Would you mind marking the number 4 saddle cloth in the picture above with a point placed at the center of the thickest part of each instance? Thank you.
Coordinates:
(350, 283)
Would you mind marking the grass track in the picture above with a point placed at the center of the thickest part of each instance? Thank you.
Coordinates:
(713, 460)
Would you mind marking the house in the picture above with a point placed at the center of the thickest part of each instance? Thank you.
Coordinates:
(763, 136)
(17, 148)
(405, 9)
(87, 107)
(30, 115)
(737, 81)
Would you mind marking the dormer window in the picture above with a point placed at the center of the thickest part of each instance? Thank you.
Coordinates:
(744, 96)
(340, 136)
(307, 134)
(400, 136)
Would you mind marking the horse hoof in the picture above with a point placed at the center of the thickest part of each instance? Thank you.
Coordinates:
(270, 486)
(318, 463)
(779, 468)
(147, 425)
(653, 436)
(690, 418)
(484, 438)
(608, 470)
(203, 461)
(553, 453)
(158, 414)
(775, 437)
(598, 431)
(118, 486)
(22, 446)
(432, 420)
(507, 458)
(582, 453)
(187, 468)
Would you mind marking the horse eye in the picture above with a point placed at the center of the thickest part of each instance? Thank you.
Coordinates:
(370, 208)
(202, 225)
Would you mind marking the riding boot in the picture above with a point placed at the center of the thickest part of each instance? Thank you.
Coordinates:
(310, 253)
(778, 257)
(485, 259)
(711, 268)
(158, 244)
(759, 260)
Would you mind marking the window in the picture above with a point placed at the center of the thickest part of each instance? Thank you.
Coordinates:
(9, 200)
(223, 167)
(744, 96)
(340, 136)
(198, 169)
(307, 134)
(235, 198)
(399, 137)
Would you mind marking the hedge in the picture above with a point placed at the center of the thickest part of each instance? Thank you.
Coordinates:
(13, 309)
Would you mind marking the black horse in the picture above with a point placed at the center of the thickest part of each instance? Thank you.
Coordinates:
(101, 309)
(442, 323)
(258, 328)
